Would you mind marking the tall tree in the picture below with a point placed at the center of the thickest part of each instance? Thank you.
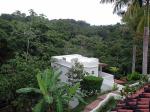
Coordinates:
(140, 14)
(145, 39)
(134, 7)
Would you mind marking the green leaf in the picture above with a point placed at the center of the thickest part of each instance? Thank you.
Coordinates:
(28, 90)
(48, 99)
(39, 107)
(42, 84)
(80, 98)
(59, 105)
(73, 89)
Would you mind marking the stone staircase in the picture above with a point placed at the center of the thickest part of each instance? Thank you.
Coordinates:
(138, 102)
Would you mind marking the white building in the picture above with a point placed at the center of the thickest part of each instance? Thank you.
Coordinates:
(91, 65)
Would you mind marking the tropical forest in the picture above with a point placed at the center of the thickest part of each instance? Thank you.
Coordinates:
(28, 82)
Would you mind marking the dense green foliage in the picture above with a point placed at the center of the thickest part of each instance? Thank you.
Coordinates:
(128, 90)
(108, 105)
(76, 73)
(111, 44)
(133, 76)
(55, 94)
(115, 72)
(27, 43)
(91, 85)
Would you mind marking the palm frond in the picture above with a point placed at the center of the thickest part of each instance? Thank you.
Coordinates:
(140, 26)
(119, 4)
(107, 1)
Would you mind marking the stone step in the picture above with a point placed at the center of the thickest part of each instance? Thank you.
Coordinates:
(124, 110)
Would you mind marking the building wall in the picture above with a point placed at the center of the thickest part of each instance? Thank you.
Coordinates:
(92, 70)
(62, 69)
(64, 66)
(108, 81)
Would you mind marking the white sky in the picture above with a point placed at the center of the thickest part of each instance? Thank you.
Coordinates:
(90, 11)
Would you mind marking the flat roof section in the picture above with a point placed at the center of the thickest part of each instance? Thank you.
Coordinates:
(80, 58)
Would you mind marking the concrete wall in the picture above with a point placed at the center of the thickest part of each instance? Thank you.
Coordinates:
(104, 102)
(63, 70)
(94, 69)
(108, 81)
(64, 66)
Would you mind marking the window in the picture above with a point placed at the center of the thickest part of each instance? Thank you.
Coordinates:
(92, 72)
(64, 58)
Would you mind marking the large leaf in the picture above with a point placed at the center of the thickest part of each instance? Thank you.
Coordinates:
(48, 77)
(28, 90)
(42, 84)
(54, 81)
(59, 104)
(73, 89)
(48, 99)
(40, 106)
(80, 98)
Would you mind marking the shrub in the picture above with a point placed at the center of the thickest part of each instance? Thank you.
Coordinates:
(133, 76)
(54, 94)
(91, 85)
(18, 73)
(114, 69)
(76, 73)
(115, 87)
(108, 105)
(115, 72)
(128, 90)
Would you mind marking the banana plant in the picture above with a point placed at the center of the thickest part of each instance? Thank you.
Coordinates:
(54, 92)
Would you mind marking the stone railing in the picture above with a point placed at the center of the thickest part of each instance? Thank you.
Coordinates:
(108, 81)
(116, 96)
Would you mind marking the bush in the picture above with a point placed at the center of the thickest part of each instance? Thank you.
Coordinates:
(134, 76)
(76, 73)
(15, 74)
(91, 85)
(115, 72)
(108, 105)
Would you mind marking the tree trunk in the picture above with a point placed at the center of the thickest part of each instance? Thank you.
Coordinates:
(134, 58)
(145, 50)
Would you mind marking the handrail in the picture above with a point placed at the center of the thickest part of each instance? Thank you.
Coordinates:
(116, 96)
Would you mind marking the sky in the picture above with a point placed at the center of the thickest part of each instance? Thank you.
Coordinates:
(90, 11)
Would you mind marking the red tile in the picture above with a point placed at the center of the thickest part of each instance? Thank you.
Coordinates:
(124, 110)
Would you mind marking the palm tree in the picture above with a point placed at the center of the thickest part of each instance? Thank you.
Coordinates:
(131, 21)
(145, 39)
(54, 94)
(135, 7)
(140, 16)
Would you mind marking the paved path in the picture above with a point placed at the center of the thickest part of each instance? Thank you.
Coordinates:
(92, 105)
